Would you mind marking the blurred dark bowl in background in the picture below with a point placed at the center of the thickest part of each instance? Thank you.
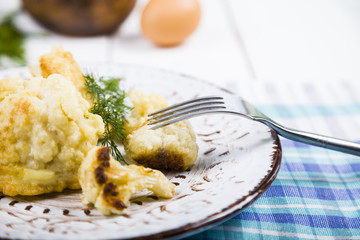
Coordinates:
(80, 17)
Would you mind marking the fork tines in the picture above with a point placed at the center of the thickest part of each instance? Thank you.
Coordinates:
(185, 110)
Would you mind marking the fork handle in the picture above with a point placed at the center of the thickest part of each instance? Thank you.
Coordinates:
(312, 138)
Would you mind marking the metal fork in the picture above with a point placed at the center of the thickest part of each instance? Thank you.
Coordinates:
(236, 105)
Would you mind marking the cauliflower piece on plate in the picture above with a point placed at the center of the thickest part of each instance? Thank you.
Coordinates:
(61, 62)
(9, 86)
(169, 148)
(109, 185)
(45, 132)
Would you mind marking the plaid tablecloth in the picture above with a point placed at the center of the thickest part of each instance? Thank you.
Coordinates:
(316, 194)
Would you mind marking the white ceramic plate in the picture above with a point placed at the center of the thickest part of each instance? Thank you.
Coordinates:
(238, 160)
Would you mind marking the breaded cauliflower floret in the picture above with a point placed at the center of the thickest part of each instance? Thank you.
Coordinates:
(9, 86)
(45, 132)
(109, 185)
(61, 62)
(169, 148)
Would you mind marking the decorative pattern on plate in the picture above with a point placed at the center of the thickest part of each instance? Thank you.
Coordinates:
(238, 159)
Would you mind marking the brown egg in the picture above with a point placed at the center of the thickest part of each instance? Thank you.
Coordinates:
(170, 22)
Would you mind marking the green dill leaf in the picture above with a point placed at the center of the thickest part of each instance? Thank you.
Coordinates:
(11, 41)
(109, 104)
(112, 85)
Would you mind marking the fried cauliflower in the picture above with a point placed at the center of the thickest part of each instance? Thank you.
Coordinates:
(109, 185)
(45, 132)
(9, 86)
(169, 148)
(61, 62)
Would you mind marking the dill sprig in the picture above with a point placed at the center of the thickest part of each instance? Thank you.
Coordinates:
(109, 104)
(11, 41)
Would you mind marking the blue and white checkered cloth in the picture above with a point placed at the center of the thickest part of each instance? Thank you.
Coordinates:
(316, 194)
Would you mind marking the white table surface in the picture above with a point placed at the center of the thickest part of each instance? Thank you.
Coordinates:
(241, 45)
(237, 41)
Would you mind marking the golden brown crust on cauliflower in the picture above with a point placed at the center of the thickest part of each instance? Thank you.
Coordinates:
(109, 185)
(169, 148)
(45, 132)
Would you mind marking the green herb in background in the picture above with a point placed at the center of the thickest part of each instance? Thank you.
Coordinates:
(109, 104)
(11, 41)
